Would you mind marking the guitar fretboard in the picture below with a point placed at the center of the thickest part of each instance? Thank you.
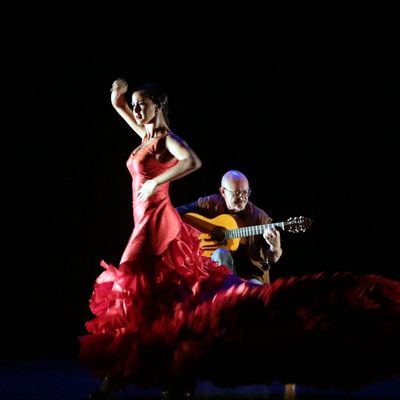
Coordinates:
(252, 230)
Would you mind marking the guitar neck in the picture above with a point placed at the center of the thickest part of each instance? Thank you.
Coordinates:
(252, 230)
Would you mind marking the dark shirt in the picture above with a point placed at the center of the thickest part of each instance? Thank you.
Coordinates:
(251, 258)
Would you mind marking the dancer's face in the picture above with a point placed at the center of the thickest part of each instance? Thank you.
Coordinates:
(144, 109)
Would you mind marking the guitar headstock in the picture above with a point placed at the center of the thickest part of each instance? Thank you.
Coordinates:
(298, 224)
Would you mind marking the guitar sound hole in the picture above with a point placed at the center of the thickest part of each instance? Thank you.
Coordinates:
(218, 235)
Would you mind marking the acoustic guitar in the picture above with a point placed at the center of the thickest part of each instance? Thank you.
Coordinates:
(225, 230)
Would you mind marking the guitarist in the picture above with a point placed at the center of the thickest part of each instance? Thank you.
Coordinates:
(252, 259)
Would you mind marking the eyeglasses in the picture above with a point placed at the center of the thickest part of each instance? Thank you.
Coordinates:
(239, 193)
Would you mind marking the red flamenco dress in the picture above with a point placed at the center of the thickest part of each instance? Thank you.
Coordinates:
(167, 312)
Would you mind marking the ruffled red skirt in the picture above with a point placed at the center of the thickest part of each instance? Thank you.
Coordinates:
(180, 314)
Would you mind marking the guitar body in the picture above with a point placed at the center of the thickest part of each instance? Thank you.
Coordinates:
(212, 231)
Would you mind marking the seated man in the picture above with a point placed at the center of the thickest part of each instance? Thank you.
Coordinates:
(252, 258)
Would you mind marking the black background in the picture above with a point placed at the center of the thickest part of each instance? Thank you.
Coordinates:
(305, 105)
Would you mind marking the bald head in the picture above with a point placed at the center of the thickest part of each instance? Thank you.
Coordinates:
(233, 179)
(235, 190)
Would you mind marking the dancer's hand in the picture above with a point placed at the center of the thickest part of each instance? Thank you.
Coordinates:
(118, 90)
(148, 188)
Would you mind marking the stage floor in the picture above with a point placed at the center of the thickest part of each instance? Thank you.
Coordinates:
(65, 379)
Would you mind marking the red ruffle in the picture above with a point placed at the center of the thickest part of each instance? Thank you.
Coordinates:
(315, 330)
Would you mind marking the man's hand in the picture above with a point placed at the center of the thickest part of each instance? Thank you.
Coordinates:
(273, 237)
